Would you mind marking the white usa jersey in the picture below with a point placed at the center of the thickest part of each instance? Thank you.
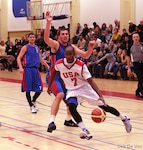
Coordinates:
(74, 76)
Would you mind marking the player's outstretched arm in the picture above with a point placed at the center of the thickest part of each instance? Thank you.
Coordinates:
(50, 42)
(85, 54)
(54, 73)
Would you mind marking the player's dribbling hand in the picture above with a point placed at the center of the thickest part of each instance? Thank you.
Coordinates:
(48, 17)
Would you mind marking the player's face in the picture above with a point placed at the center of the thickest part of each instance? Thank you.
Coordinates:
(69, 55)
(31, 39)
(64, 36)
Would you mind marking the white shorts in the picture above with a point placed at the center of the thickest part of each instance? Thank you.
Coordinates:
(85, 93)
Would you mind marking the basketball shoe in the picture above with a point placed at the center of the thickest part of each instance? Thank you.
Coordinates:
(34, 103)
(51, 127)
(127, 124)
(85, 134)
(33, 109)
(70, 123)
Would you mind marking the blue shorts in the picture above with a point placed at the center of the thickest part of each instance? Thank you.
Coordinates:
(31, 80)
(72, 100)
(58, 85)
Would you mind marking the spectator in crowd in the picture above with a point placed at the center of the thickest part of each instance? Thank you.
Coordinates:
(126, 44)
(53, 32)
(110, 28)
(101, 66)
(124, 66)
(113, 47)
(132, 28)
(117, 64)
(141, 25)
(77, 33)
(85, 30)
(103, 31)
(140, 32)
(87, 39)
(81, 42)
(117, 24)
(11, 52)
(91, 63)
(8, 41)
(23, 41)
(108, 36)
(3, 60)
(116, 36)
(124, 33)
(111, 61)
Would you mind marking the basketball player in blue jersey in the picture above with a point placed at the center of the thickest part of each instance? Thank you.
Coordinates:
(80, 86)
(57, 52)
(31, 81)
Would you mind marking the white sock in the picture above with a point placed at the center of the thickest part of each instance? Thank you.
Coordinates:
(52, 118)
(81, 125)
(68, 117)
(122, 117)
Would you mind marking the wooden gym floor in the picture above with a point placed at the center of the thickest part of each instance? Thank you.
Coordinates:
(21, 130)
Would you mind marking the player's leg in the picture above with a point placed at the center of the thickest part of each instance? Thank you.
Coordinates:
(68, 120)
(28, 97)
(124, 118)
(93, 99)
(35, 96)
(59, 91)
(72, 103)
(37, 85)
(27, 87)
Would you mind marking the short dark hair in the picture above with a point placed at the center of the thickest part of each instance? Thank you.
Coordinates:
(31, 33)
(61, 29)
(69, 48)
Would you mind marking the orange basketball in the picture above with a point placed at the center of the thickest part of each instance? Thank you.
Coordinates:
(98, 115)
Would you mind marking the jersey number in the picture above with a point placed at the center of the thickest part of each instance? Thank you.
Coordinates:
(75, 81)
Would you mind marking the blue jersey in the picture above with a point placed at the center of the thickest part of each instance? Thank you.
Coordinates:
(58, 84)
(31, 57)
(31, 76)
(56, 56)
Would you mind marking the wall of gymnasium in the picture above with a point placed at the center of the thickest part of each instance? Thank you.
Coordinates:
(94, 10)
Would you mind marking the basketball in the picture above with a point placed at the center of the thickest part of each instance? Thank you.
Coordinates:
(98, 115)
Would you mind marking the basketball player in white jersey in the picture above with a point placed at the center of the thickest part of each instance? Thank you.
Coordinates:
(80, 85)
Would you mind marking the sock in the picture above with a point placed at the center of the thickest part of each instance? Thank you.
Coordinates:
(52, 118)
(81, 125)
(68, 117)
(122, 117)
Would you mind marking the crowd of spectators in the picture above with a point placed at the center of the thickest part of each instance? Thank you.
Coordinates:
(112, 50)
(109, 57)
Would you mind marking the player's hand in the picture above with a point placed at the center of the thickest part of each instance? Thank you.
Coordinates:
(49, 91)
(48, 17)
(21, 70)
(91, 44)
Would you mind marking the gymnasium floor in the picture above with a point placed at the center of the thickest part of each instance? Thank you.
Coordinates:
(21, 130)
